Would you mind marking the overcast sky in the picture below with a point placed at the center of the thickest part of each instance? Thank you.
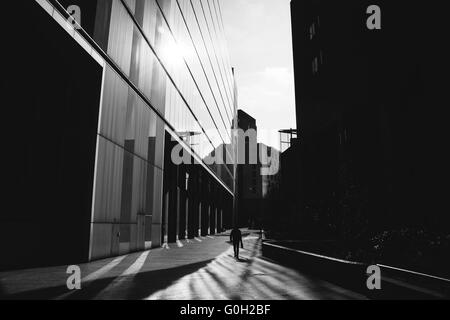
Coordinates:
(260, 44)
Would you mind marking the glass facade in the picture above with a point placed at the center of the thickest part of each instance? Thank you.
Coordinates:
(167, 72)
(174, 53)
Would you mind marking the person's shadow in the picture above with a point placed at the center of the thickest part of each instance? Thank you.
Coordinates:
(241, 260)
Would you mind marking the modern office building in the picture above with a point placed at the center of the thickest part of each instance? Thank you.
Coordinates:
(111, 94)
(368, 112)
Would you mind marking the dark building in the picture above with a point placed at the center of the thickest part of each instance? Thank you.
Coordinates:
(270, 208)
(369, 114)
(249, 171)
(270, 169)
(290, 211)
(94, 113)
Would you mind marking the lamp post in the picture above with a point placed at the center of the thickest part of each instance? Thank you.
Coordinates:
(236, 153)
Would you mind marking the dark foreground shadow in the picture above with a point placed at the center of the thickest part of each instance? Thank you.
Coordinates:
(2, 293)
(142, 286)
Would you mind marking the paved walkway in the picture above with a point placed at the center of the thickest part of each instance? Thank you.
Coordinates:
(201, 269)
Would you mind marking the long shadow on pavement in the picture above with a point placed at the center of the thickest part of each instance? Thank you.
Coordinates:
(143, 285)
(147, 283)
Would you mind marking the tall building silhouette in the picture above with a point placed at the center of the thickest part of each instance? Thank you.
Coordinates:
(368, 107)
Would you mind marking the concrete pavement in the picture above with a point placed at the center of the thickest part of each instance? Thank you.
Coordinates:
(199, 269)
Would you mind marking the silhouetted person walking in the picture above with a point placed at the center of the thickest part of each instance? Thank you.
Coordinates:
(236, 239)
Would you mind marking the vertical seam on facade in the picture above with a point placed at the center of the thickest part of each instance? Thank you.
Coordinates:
(215, 54)
(207, 53)
(215, 50)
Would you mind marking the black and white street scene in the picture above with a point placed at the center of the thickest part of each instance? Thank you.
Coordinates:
(225, 150)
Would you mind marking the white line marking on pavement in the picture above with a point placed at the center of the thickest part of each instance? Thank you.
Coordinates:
(94, 276)
(210, 237)
(137, 265)
(197, 239)
(102, 271)
(128, 274)
(179, 244)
